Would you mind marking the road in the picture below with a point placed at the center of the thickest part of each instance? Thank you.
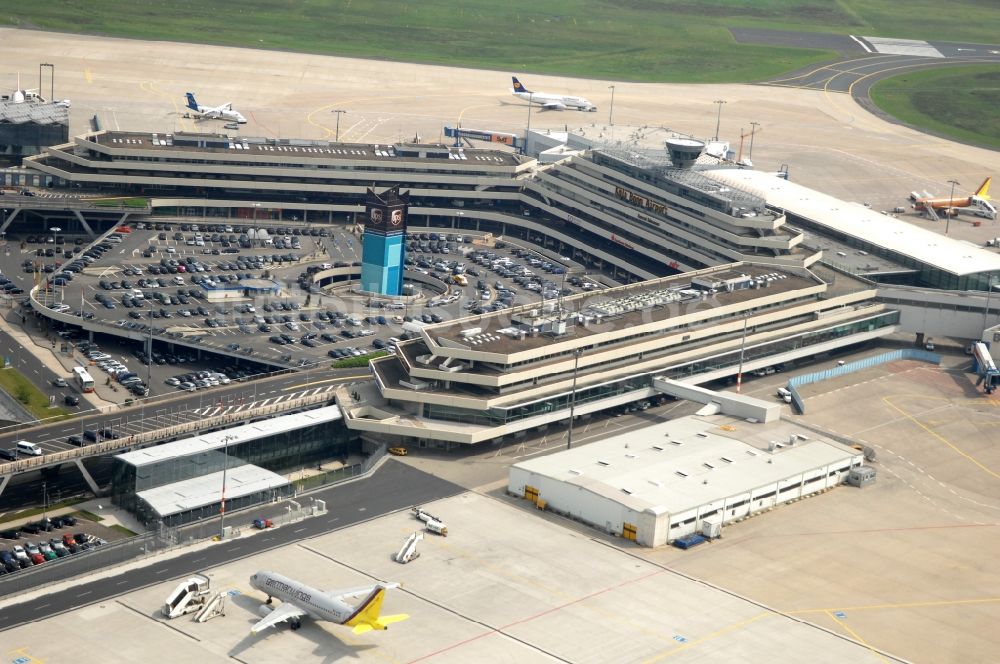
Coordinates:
(28, 364)
(393, 487)
(172, 409)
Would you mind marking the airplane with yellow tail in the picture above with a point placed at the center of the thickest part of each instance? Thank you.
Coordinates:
(299, 601)
(980, 201)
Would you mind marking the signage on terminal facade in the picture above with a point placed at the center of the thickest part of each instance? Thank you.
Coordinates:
(628, 245)
(385, 214)
(641, 201)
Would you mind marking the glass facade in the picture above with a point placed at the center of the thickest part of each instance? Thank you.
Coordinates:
(287, 450)
(147, 515)
(557, 402)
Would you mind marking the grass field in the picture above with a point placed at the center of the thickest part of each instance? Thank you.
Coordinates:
(641, 40)
(956, 102)
(34, 400)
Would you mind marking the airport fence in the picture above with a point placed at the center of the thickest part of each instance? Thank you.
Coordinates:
(321, 480)
(858, 365)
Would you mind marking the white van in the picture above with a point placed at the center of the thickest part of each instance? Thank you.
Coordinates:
(137, 294)
(785, 395)
(30, 449)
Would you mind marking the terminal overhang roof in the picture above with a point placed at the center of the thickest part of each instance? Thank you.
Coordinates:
(644, 469)
(217, 439)
(197, 492)
(867, 225)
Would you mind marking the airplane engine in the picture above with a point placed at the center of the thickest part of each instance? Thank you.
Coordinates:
(264, 609)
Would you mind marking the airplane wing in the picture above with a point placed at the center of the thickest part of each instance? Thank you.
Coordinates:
(357, 593)
(286, 611)
(554, 106)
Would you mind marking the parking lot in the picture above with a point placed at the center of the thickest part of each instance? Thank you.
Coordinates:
(252, 292)
(44, 539)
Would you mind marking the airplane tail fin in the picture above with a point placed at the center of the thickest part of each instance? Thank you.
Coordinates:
(382, 623)
(366, 616)
(192, 104)
(984, 188)
(518, 87)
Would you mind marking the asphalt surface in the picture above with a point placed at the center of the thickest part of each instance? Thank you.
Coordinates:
(24, 489)
(393, 487)
(30, 366)
(862, 65)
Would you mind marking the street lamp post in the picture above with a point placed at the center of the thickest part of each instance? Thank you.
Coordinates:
(528, 130)
(753, 130)
(989, 292)
(951, 206)
(339, 112)
(52, 80)
(611, 110)
(225, 468)
(743, 344)
(572, 397)
(718, 118)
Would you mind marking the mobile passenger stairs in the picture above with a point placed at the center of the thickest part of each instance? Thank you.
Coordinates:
(191, 595)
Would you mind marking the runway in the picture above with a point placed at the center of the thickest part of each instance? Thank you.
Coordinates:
(864, 60)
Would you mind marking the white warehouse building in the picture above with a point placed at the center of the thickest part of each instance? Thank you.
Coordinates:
(662, 482)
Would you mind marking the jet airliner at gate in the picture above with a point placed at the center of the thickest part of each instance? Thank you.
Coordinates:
(299, 600)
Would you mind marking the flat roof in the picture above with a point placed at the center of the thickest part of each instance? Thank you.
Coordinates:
(300, 148)
(867, 225)
(42, 113)
(681, 464)
(207, 490)
(616, 302)
(217, 439)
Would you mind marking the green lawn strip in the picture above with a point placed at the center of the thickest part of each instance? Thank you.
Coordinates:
(35, 511)
(639, 40)
(359, 361)
(34, 400)
(123, 530)
(119, 202)
(957, 102)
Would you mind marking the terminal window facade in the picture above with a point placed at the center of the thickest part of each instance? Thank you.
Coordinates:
(287, 450)
(584, 395)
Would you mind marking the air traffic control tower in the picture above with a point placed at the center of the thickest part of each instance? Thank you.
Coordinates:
(384, 242)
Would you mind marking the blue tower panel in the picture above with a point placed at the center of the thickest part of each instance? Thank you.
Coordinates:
(382, 263)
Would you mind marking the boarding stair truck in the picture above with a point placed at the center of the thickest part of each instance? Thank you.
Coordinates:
(189, 596)
(985, 367)
(212, 608)
(408, 551)
(432, 523)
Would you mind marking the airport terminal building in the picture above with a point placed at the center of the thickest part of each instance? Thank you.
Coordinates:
(484, 377)
(643, 213)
